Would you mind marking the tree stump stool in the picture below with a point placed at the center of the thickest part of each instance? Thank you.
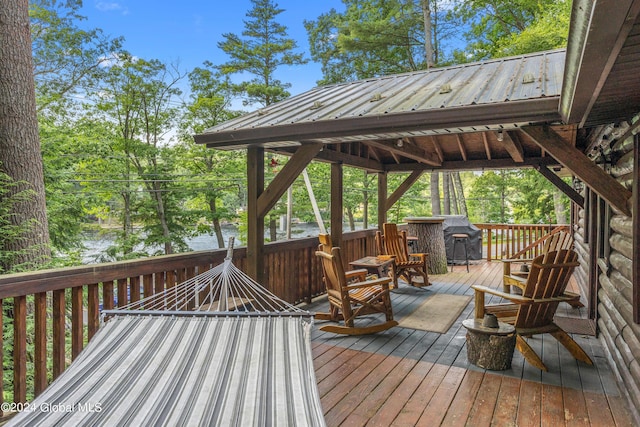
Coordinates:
(490, 348)
(429, 240)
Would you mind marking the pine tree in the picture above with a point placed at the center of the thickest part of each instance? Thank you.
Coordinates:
(263, 48)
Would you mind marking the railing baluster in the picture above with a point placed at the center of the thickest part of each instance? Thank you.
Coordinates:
(107, 295)
(93, 310)
(123, 292)
(147, 285)
(40, 343)
(77, 322)
(58, 332)
(158, 282)
(135, 288)
(20, 349)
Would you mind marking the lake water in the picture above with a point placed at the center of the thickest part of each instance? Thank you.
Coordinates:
(97, 243)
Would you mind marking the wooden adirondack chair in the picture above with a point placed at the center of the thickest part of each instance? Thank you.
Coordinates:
(351, 295)
(532, 312)
(407, 265)
(552, 242)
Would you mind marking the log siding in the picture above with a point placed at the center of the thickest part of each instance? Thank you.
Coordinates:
(617, 278)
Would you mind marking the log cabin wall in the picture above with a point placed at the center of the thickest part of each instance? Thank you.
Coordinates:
(604, 242)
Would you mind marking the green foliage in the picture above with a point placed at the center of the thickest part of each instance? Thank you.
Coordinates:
(375, 37)
(509, 27)
(66, 57)
(263, 48)
(12, 193)
(524, 197)
(533, 201)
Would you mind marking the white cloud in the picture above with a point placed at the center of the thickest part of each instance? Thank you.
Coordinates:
(105, 6)
(114, 59)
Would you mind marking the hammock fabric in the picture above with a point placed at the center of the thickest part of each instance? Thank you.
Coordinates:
(217, 349)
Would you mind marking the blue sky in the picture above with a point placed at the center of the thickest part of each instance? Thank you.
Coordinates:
(189, 31)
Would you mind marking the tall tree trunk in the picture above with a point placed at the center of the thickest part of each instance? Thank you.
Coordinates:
(462, 201)
(365, 203)
(435, 194)
(273, 228)
(428, 33)
(20, 155)
(156, 193)
(453, 196)
(352, 221)
(558, 207)
(447, 196)
(216, 222)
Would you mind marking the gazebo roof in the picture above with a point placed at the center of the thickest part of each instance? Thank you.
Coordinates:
(443, 118)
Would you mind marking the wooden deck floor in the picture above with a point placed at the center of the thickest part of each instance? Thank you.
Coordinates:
(406, 377)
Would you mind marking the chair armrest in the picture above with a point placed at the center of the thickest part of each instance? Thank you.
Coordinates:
(382, 281)
(518, 299)
(480, 290)
(520, 260)
(506, 264)
(360, 273)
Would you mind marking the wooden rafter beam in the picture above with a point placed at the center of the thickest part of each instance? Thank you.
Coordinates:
(407, 150)
(485, 141)
(438, 148)
(561, 185)
(507, 163)
(334, 156)
(461, 147)
(402, 188)
(283, 180)
(573, 159)
(511, 142)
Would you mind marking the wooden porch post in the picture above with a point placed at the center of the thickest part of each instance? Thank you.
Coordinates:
(336, 203)
(382, 199)
(255, 222)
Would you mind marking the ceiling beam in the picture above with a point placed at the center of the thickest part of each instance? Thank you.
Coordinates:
(402, 188)
(485, 141)
(461, 147)
(328, 154)
(573, 159)
(405, 149)
(283, 180)
(437, 147)
(511, 142)
(470, 165)
(561, 185)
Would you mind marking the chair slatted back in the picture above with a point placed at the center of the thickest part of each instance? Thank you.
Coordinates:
(558, 241)
(395, 242)
(332, 267)
(548, 278)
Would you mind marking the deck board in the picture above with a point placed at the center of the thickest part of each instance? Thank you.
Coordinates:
(406, 377)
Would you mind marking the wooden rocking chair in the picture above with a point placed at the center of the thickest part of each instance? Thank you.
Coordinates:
(551, 242)
(532, 312)
(407, 265)
(351, 295)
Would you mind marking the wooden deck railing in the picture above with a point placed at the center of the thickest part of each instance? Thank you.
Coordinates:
(502, 241)
(54, 313)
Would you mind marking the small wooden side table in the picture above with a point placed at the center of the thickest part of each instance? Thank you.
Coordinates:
(490, 348)
(379, 265)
